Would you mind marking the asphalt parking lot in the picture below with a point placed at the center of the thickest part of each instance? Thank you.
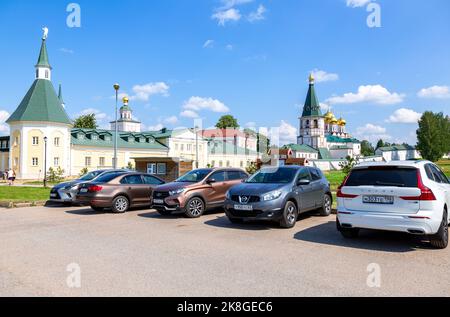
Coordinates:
(143, 254)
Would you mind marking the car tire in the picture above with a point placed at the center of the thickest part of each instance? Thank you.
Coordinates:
(348, 233)
(440, 239)
(236, 220)
(120, 205)
(99, 209)
(195, 208)
(325, 211)
(290, 215)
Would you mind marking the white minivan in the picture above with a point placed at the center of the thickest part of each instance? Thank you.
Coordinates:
(404, 196)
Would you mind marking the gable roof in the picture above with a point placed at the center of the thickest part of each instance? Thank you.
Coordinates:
(40, 104)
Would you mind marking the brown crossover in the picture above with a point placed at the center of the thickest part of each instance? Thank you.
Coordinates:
(196, 191)
(118, 191)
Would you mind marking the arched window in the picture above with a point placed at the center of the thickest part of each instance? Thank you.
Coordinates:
(307, 123)
(316, 124)
(37, 73)
(46, 74)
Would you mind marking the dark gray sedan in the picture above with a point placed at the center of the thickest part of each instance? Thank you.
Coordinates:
(279, 194)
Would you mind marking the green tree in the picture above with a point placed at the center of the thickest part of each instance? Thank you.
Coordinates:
(263, 142)
(367, 148)
(348, 165)
(433, 136)
(87, 121)
(227, 122)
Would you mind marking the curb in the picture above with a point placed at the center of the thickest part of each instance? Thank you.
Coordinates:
(12, 204)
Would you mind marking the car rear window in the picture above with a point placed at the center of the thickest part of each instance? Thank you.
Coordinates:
(386, 176)
(107, 177)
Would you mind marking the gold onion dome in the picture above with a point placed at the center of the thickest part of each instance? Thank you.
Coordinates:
(342, 122)
(333, 120)
(125, 100)
(329, 116)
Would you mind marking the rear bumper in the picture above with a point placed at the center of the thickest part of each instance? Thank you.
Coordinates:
(94, 201)
(414, 224)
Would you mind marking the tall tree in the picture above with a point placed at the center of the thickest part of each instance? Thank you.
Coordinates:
(227, 122)
(380, 143)
(367, 148)
(263, 142)
(433, 136)
(87, 121)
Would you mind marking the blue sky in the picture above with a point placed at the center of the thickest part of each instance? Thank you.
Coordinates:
(179, 59)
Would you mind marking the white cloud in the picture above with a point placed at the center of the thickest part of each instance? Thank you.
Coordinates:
(372, 133)
(156, 127)
(200, 103)
(209, 44)
(257, 15)
(322, 76)
(171, 120)
(439, 92)
(357, 3)
(288, 133)
(227, 4)
(66, 50)
(144, 92)
(4, 115)
(404, 115)
(370, 93)
(189, 114)
(250, 124)
(98, 114)
(229, 47)
(225, 16)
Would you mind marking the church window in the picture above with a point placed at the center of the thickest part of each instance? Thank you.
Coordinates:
(316, 124)
(56, 161)
(37, 73)
(35, 140)
(35, 161)
(101, 161)
(189, 147)
(87, 161)
(46, 74)
(56, 141)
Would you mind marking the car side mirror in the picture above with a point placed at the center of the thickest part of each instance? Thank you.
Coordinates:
(211, 181)
(303, 182)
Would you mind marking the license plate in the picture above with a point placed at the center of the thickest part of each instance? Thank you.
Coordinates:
(383, 200)
(84, 190)
(243, 207)
(158, 201)
(53, 195)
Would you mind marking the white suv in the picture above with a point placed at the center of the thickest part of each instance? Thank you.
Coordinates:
(410, 196)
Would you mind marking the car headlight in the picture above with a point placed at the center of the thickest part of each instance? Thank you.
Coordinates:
(228, 195)
(271, 196)
(177, 191)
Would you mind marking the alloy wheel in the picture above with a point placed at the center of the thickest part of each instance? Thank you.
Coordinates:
(196, 207)
(327, 204)
(290, 214)
(121, 204)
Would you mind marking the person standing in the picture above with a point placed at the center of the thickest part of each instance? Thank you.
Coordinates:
(11, 177)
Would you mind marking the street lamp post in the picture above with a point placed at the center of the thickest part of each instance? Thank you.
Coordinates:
(116, 88)
(196, 146)
(45, 161)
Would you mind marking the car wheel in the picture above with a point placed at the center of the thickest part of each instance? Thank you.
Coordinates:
(348, 233)
(99, 209)
(195, 208)
(120, 204)
(290, 215)
(327, 206)
(440, 239)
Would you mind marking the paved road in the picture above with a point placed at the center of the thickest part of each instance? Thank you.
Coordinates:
(143, 254)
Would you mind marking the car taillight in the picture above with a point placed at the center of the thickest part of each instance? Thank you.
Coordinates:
(95, 188)
(426, 194)
(340, 194)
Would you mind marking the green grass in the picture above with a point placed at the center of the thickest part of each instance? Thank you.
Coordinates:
(24, 194)
(335, 178)
(40, 183)
(445, 166)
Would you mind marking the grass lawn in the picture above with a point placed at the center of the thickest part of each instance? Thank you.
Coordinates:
(335, 178)
(445, 166)
(24, 194)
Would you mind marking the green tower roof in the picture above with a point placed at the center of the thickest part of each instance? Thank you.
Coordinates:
(60, 96)
(312, 105)
(40, 104)
(43, 56)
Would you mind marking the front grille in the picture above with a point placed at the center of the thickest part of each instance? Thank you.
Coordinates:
(160, 195)
(251, 199)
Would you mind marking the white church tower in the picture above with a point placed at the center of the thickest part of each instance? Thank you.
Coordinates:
(126, 123)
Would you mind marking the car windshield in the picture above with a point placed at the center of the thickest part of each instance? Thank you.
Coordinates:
(273, 176)
(90, 176)
(383, 176)
(194, 176)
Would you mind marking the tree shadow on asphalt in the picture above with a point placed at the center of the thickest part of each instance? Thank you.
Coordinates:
(373, 240)
(86, 212)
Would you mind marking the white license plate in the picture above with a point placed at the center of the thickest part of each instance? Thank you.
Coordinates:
(158, 201)
(84, 190)
(243, 207)
(383, 200)
(53, 195)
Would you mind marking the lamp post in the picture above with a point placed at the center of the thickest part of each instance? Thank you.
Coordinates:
(116, 88)
(196, 146)
(45, 161)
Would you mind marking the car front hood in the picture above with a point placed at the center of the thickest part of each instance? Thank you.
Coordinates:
(66, 184)
(255, 189)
